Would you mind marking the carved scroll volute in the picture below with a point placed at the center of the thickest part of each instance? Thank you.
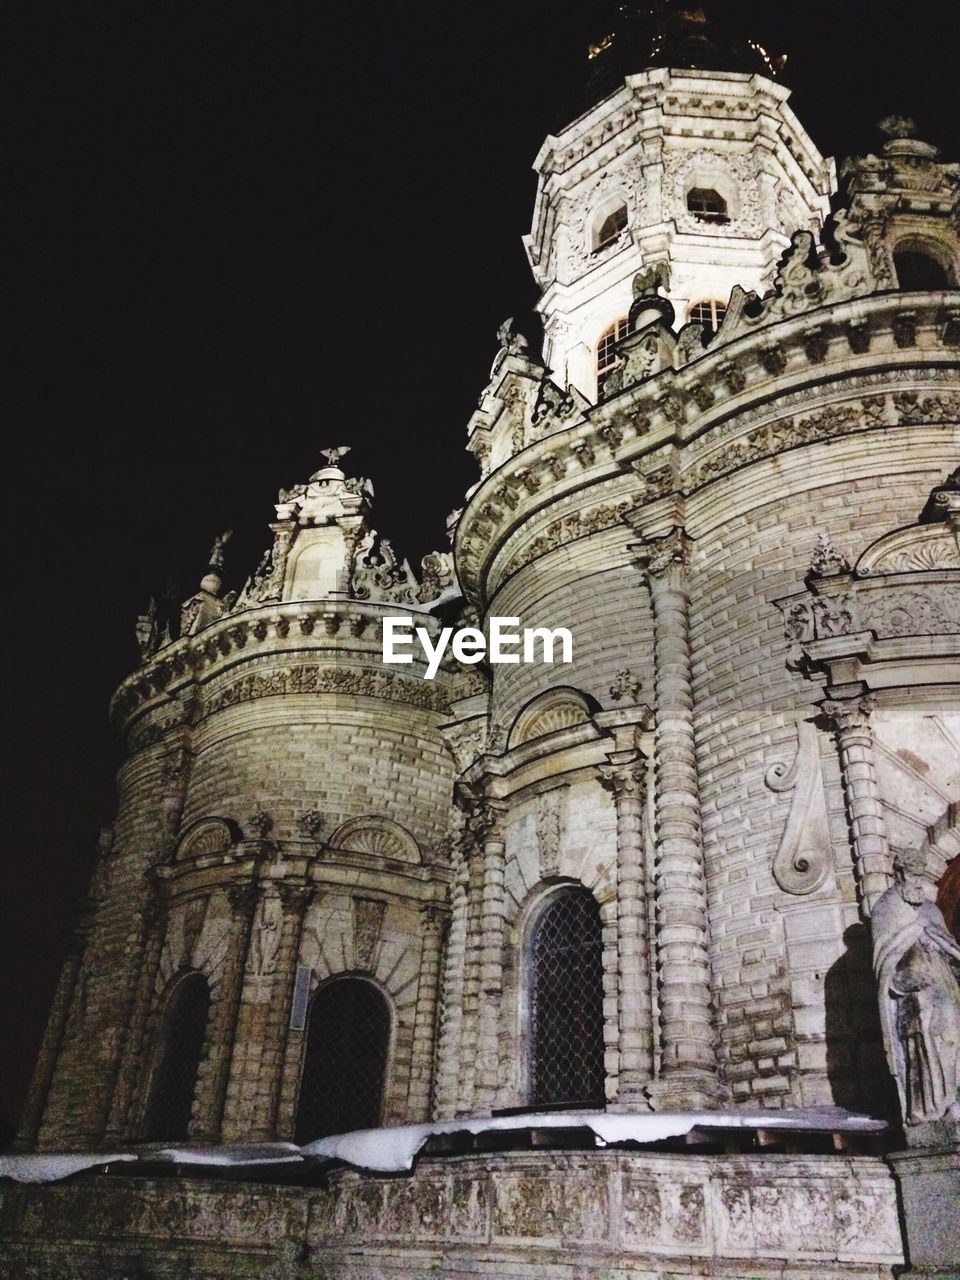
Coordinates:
(802, 861)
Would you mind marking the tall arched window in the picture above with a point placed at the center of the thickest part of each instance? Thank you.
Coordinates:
(918, 271)
(566, 967)
(341, 1087)
(182, 1030)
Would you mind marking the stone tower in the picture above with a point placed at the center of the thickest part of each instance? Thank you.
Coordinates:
(604, 924)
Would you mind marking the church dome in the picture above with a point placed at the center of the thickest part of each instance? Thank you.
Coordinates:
(677, 36)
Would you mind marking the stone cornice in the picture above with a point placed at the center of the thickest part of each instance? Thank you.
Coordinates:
(343, 639)
(798, 362)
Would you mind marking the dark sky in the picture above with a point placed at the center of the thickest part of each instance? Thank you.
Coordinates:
(247, 231)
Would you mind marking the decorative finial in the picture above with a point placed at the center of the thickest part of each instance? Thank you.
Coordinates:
(216, 551)
(333, 456)
(894, 127)
(827, 560)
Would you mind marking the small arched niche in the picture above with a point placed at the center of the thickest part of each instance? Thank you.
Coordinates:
(206, 837)
(380, 837)
(548, 712)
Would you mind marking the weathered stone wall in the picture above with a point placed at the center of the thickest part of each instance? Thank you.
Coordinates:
(568, 1216)
(79, 1098)
(792, 970)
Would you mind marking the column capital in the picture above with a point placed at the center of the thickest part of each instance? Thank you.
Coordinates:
(243, 897)
(432, 915)
(661, 559)
(622, 774)
(294, 895)
(850, 715)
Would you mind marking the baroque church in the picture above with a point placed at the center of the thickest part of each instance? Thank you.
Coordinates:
(644, 965)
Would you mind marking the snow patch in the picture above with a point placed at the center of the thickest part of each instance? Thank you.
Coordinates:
(394, 1149)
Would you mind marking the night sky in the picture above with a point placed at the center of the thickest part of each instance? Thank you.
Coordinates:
(248, 231)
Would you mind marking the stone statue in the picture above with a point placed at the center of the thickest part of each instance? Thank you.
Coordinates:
(215, 560)
(917, 966)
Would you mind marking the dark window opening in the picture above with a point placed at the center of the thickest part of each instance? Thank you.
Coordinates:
(606, 347)
(919, 272)
(708, 313)
(707, 205)
(567, 1001)
(181, 1044)
(341, 1087)
(611, 227)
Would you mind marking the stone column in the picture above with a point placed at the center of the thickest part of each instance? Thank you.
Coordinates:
(425, 1015)
(454, 981)
(126, 1107)
(689, 1069)
(469, 1036)
(252, 1099)
(625, 776)
(223, 1022)
(491, 958)
(872, 861)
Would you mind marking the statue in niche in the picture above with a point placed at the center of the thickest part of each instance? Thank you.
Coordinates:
(917, 966)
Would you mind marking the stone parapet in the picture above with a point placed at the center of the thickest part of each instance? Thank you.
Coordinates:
(589, 1215)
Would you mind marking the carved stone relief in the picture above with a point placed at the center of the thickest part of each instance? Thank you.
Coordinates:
(802, 860)
(367, 921)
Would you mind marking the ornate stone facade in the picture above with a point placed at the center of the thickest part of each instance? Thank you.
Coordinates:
(753, 536)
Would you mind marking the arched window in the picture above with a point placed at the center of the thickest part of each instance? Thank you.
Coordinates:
(919, 272)
(566, 968)
(611, 226)
(182, 1030)
(709, 313)
(341, 1087)
(707, 205)
(606, 353)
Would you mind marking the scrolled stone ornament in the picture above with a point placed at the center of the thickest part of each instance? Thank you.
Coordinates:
(917, 967)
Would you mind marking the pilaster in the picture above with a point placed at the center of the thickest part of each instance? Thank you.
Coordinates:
(689, 1068)
(851, 722)
(625, 777)
(425, 1014)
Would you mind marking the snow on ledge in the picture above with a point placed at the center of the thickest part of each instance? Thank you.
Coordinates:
(393, 1149)
(55, 1166)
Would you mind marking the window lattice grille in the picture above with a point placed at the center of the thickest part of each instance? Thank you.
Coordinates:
(181, 1044)
(345, 1061)
(567, 1002)
(606, 347)
(707, 205)
(709, 313)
